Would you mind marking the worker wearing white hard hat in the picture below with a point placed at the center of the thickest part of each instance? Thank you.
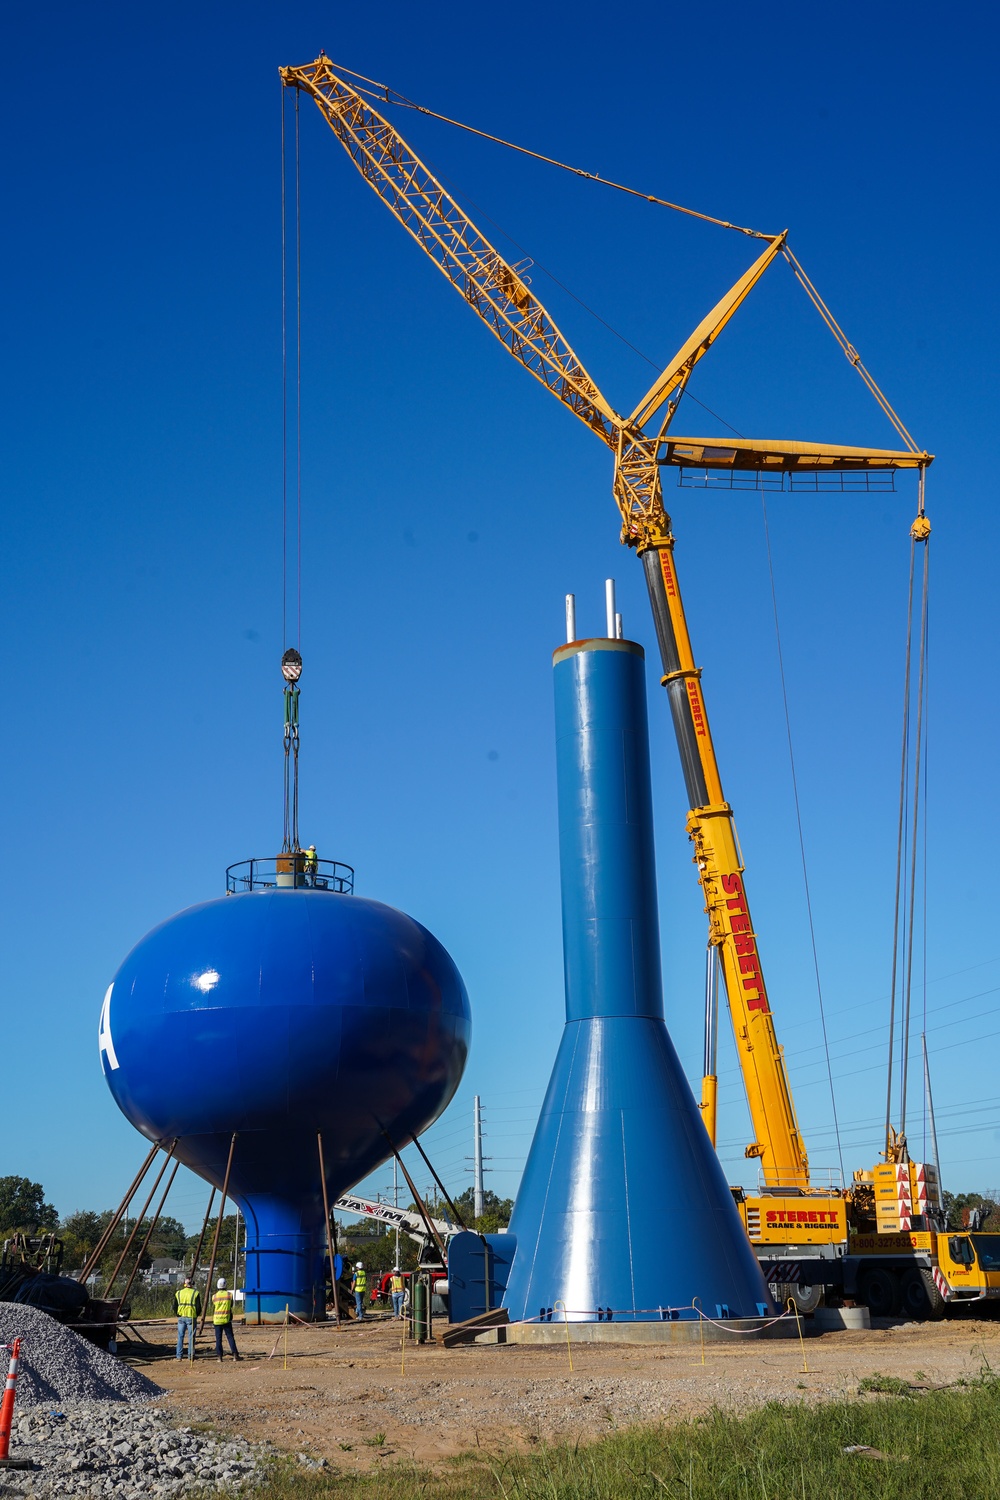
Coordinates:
(222, 1319)
(359, 1286)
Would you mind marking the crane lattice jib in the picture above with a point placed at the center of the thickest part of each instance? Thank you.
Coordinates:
(459, 250)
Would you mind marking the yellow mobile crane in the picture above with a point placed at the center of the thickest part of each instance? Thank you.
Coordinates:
(789, 1215)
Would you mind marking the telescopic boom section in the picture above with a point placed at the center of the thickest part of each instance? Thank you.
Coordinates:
(495, 291)
(778, 1141)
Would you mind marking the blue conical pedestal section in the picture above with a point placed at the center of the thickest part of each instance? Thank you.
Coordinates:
(623, 1210)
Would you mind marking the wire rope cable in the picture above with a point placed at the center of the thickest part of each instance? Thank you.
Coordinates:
(298, 383)
(908, 832)
(654, 364)
(299, 347)
(802, 842)
(849, 350)
(286, 834)
(284, 386)
(928, 1101)
(900, 837)
(290, 840)
(383, 93)
(914, 840)
(389, 95)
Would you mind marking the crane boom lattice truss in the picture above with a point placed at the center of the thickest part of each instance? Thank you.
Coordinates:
(497, 293)
(455, 245)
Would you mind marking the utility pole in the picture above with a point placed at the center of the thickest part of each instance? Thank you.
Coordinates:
(477, 1158)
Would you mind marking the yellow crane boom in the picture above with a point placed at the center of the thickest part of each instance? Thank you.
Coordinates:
(495, 291)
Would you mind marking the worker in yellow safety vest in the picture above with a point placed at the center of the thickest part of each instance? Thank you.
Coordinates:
(311, 864)
(222, 1318)
(397, 1288)
(359, 1285)
(187, 1302)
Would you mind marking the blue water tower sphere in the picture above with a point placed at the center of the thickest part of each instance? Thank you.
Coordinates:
(278, 1015)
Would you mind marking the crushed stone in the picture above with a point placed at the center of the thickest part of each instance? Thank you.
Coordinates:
(57, 1366)
(123, 1450)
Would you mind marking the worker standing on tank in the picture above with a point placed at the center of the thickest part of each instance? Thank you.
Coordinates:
(222, 1319)
(359, 1286)
(187, 1301)
(310, 864)
(396, 1288)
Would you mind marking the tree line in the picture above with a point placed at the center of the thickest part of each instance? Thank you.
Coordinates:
(23, 1209)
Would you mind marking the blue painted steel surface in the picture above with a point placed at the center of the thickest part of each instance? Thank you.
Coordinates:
(623, 1206)
(469, 1255)
(278, 1015)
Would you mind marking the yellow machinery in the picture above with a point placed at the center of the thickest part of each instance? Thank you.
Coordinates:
(788, 1211)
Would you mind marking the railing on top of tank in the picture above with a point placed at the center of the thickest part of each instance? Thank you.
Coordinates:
(289, 872)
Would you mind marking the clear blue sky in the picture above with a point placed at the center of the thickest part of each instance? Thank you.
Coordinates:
(449, 505)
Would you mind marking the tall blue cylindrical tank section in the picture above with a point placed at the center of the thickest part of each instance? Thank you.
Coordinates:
(623, 1209)
(278, 1015)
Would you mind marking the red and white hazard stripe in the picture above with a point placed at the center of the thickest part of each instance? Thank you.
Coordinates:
(941, 1284)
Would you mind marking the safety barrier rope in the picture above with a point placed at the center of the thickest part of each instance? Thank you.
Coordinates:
(626, 1315)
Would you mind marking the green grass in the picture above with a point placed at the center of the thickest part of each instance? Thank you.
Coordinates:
(944, 1445)
(885, 1385)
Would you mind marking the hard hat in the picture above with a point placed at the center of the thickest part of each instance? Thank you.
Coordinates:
(221, 1283)
(360, 1266)
(311, 849)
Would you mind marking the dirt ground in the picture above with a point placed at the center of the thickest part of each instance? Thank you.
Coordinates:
(355, 1398)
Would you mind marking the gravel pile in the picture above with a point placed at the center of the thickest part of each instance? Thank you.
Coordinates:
(58, 1366)
(112, 1448)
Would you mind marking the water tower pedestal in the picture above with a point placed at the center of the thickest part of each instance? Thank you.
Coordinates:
(623, 1213)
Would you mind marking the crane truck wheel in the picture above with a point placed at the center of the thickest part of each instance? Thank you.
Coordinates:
(921, 1298)
(806, 1298)
(882, 1293)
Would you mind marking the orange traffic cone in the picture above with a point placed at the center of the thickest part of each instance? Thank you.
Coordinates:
(7, 1411)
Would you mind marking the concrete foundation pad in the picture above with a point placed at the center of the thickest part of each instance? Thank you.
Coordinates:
(733, 1329)
(831, 1319)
